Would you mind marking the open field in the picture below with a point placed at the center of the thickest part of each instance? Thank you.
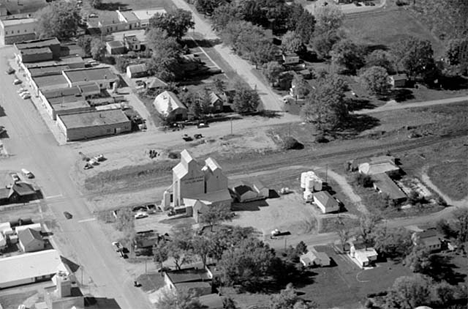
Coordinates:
(451, 177)
(387, 27)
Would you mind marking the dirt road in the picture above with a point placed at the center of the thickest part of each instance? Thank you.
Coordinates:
(270, 100)
(32, 146)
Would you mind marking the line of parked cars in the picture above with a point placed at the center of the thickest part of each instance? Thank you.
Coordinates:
(24, 93)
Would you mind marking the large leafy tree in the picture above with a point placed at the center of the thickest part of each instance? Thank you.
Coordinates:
(348, 56)
(288, 299)
(381, 58)
(208, 6)
(58, 19)
(409, 293)
(272, 71)
(325, 107)
(461, 224)
(215, 214)
(292, 43)
(329, 18)
(85, 43)
(305, 27)
(416, 56)
(376, 80)
(245, 100)
(223, 15)
(180, 299)
(98, 49)
(394, 243)
(165, 54)
(175, 24)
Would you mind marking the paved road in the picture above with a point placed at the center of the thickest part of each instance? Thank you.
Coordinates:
(393, 105)
(270, 100)
(31, 145)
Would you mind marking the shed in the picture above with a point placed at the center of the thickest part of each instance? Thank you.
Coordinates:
(291, 58)
(326, 202)
(378, 168)
(115, 47)
(31, 240)
(136, 70)
(398, 80)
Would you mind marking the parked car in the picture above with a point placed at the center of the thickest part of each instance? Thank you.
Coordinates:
(187, 138)
(67, 215)
(21, 90)
(92, 15)
(17, 81)
(10, 71)
(141, 215)
(27, 173)
(15, 177)
(198, 136)
(87, 166)
(26, 96)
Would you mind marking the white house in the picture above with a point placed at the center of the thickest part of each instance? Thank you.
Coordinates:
(169, 105)
(362, 255)
(313, 258)
(31, 240)
(326, 202)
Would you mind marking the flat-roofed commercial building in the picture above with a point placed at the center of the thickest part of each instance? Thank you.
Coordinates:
(103, 76)
(52, 43)
(29, 268)
(17, 30)
(93, 124)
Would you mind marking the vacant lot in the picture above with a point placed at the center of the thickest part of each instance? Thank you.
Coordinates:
(451, 177)
(387, 27)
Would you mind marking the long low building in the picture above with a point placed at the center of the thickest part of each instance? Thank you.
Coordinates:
(93, 124)
(29, 268)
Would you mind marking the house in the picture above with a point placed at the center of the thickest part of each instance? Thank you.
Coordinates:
(22, 191)
(156, 83)
(398, 80)
(103, 76)
(195, 184)
(189, 279)
(115, 48)
(14, 30)
(326, 202)
(216, 103)
(314, 258)
(363, 255)
(145, 15)
(429, 239)
(132, 43)
(28, 268)
(130, 19)
(92, 124)
(137, 70)
(379, 167)
(291, 58)
(248, 192)
(384, 184)
(31, 240)
(169, 105)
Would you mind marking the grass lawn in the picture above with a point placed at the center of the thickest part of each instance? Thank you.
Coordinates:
(347, 283)
(387, 27)
(151, 281)
(451, 177)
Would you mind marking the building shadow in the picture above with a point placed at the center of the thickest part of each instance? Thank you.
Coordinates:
(250, 206)
(100, 302)
(113, 6)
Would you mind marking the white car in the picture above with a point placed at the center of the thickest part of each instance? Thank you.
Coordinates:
(25, 96)
(17, 82)
(141, 215)
(27, 173)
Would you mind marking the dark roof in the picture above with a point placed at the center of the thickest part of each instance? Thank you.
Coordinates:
(93, 118)
(156, 83)
(5, 193)
(399, 77)
(50, 80)
(89, 88)
(36, 51)
(427, 234)
(28, 235)
(115, 44)
(242, 189)
(90, 74)
(188, 275)
(37, 43)
(51, 70)
(23, 188)
(61, 92)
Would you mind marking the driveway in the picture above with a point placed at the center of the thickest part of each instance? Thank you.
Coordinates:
(270, 100)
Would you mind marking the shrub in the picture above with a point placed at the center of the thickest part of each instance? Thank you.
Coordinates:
(363, 180)
(291, 143)
(320, 138)
(441, 201)
(174, 155)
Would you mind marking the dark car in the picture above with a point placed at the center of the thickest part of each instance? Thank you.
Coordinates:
(10, 71)
(67, 215)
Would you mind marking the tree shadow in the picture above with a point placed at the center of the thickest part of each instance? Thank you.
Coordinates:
(373, 47)
(113, 6)
(269, 114)
(453, 82)
(101, 302)
(357, 124)
(401, 95)
(355, 104)
(444, 270)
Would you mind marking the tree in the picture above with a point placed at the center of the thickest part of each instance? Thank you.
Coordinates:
(245, 100)
(305, 27)
(394, 243)
(165, 55)
(292, 43)
(363, 180)
(416, 57)
(223, 15)
(408, 293)
(178, 299)
(325, 107)
(461, 224)
(367, 224)
(58, 19)
(95, 3)
(344, 233)
(376, 81)
(160, 253)
(420, 260)
(180, 248)
(205, 101)
(347, 55)
(272, 71)
(288, 299)
(121, 63)
(208, 6)
(329, 18)
(98, 49)
(263, 52)
(215, 214)
(195, 109)
(175, 24)
(381, 58)
(219, 85)
(85, 43)
(226, 238)
(247, 264)
(301, 248)
(125, 219)
(323, 43)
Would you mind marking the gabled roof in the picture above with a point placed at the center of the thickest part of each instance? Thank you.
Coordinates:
(166, 99)
(327, 200)
(214, 98)
(242, 189)
(91, 87)
(399, 77)
(137, 68)
(29, 235)
(156, 83)
(5, 193)
(23, 188)
(378, 167)
(188, 275)
(212, 164)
